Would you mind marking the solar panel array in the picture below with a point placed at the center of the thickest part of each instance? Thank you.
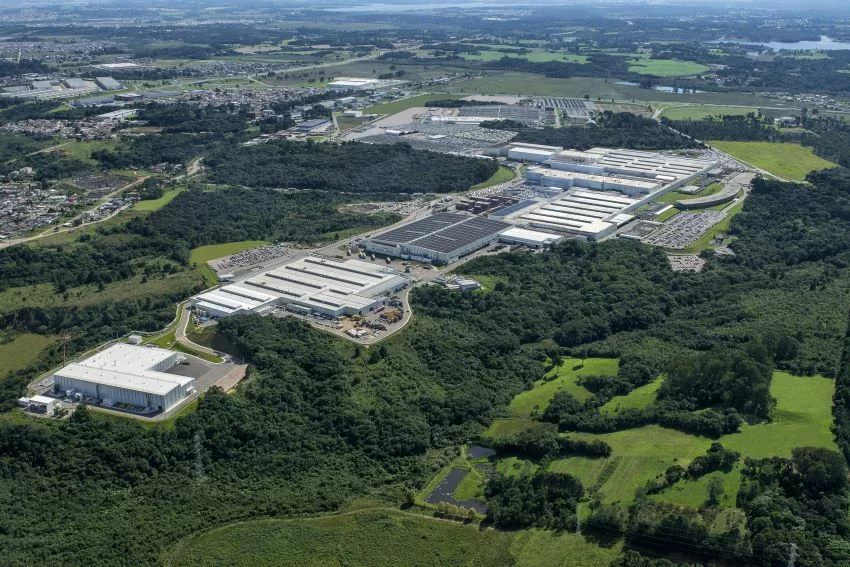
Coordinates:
(443, 232)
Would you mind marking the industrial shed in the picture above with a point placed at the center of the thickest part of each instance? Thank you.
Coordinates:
(127, 375)
(443, 238)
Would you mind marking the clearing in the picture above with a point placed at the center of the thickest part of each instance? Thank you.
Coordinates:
(502, 175)
(667, 67)
(203, 254)
(156, 204)
(785, 160)
(698, 112)
(395, 106)
(565, 377)
(22, 349)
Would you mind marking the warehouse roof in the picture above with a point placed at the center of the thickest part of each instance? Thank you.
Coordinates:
(122, 357)
(148, 382)
(443, 232)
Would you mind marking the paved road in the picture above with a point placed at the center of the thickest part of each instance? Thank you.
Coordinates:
(180, 332)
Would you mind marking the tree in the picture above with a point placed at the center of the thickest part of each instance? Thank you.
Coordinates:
(715, 491)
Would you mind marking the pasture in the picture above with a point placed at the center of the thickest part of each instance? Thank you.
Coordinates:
(565, 377)
(785, 160)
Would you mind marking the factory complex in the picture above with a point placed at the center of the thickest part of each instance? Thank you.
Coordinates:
(442, 238)
(126, 376)
(309, 285)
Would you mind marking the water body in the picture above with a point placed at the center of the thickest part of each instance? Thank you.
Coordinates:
(445, 491)
(824, 43)
(377, 7)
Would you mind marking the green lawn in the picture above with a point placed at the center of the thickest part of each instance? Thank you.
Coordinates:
(698, 112)
(203, 254)
(394, 106)
(82, 150)
(502, 175)
(564, 377)
(22, 350)
(505, 427)
(638, 398)
(156, 204)
(785, 160)
(667, 67)
(694, 493)
(803, 417)
(371, 538)
(515, 466)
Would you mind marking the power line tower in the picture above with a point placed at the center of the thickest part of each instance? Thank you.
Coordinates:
(792, 555)
(65, 349)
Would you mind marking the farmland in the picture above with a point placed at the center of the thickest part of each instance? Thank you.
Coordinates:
(700, 111)
(667, 67)
(565, 377)
(395, 106)
(532, 56)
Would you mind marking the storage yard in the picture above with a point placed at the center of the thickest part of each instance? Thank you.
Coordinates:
(683, 229)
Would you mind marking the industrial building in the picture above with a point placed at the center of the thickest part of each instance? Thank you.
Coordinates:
(659, 168)
(569, 179)
(308, 285)
(531, 152)
(727, 194)
(442, 238)
(352, 84)
(108, 83)
(590, 214)
(530, 238)
(126, 375)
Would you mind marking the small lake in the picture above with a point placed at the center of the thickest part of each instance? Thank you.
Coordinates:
(824, 43)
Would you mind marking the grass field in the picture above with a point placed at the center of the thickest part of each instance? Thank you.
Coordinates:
(694, 493)
(698, 112)
(532, 57)
(788, 161)
(156, 204)
(23, 349)
(203, 254)
(638, 398)
(371, 538)
(394, 106)
(564, 377)
(539, 548)
(803, 417)
(667, 67)
(502, 175)
(504, 427)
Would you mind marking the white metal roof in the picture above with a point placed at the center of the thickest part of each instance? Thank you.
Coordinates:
(157, 383)
(122, 357)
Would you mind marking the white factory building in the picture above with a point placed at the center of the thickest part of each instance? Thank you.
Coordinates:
(531, 152)
(580, 212)
(126, 374)
(308, 285)
(352, 84)
(569, 179)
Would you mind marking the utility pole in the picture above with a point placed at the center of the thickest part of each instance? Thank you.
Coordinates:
(65, 349)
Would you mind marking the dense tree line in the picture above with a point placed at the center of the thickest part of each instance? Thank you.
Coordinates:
(542, 441)
(543, 500)
(349, 167)
(616, 130)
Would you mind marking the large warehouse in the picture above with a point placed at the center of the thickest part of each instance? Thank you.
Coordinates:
(308, 285)
(128, 375)
(591, 214)
(443, 238)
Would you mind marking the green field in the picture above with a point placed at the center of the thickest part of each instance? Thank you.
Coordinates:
(502, 175)
(22, 350)
(785, 160)
(156, 204)
(638, 398)
(694, 493)
(667, 67)
(505, 427)
(564, 377)
(371, 538)
(203, 254)
(803, 417)
(394, 106)
(698, 112)
(532, 56)
(539, 548)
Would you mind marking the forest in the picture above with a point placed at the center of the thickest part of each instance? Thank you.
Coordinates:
(321, 420)
(347, 167)
(616, 130)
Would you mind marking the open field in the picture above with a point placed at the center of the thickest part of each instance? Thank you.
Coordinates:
(156, 204)
(362, 538)
(203, 254)
(517, 83)
(564, 377)
(44, 295)
(504, 427)
(532, 56)
(539, 548)
(667, 67)
(785, 160)
(638, 398)
(21, 350)
(502, 175)
(803, 417)
(394, 106)
(694, 493)
(698, 112)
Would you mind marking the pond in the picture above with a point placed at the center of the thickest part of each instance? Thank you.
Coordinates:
(824, 44)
